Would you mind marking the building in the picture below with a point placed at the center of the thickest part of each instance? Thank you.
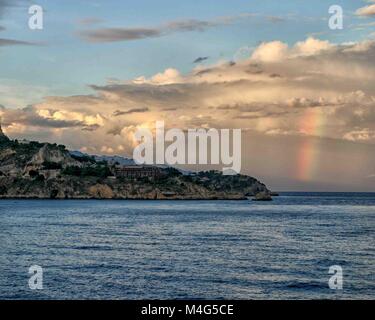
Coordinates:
(136, 171)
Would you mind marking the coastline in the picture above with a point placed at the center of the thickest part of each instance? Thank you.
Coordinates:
(133, 199)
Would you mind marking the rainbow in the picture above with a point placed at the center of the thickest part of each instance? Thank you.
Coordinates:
(312, 124)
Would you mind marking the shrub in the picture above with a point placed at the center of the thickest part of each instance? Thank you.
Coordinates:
(3, 190)
(83, 158)
(91, 171)
(33, 173)
(39, 178)
(52, 165)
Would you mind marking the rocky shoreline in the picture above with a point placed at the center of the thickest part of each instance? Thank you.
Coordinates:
(131, 189)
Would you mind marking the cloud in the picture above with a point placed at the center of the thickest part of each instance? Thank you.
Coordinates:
(366, 11)
(365, 134)
(136, 110)
(118, 34)
(276, 50)
(90, 128)
(310, 89)
(29, 116)
(128, 34)
(311, 46)
(200, 59)
(50, 118)
(272, 92)
(193, 25)
(11, 42)
(168, 76)
(271, 51)
(103, 35)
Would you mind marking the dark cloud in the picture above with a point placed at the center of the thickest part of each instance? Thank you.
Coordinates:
(225, 107)
(128, 34)
(135, 110)
(2, 28)
(248, 117)
(12, 42)
(118, 34)
(160, 97)
(204, 71)
(115, 131)
(29, 117)
(92, 127)
(254, 68)
(275, 75)
(190, 25)
(200, 59)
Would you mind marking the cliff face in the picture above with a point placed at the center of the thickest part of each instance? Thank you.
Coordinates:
(53, 155)
(35, 170)
(18, 159)
(3, 137)
(50, 155)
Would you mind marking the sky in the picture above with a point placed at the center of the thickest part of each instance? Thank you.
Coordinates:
(302, 93)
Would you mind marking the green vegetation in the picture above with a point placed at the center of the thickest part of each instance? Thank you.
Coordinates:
(99, 170)
(172, 172)
(51, 165)
(84, 158)
(3, 190)
(30, 148)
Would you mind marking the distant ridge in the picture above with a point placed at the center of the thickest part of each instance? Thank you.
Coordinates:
(110, 159)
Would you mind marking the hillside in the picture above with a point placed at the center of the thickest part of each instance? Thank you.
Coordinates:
(43, 170)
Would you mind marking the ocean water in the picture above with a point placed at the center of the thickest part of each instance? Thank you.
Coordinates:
(190, 249)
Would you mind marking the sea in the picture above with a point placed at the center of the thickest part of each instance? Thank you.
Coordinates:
(299, 246)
